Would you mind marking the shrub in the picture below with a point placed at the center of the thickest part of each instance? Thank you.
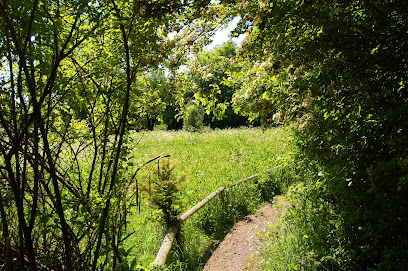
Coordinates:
(164, 192)
(194, 118)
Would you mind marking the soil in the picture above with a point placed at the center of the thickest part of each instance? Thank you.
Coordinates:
(239, 249)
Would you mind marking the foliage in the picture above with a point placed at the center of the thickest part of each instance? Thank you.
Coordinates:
(207, 71)
(151, 99)
(67, 74)
(339, 68)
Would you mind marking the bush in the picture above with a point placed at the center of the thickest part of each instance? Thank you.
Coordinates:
(308, 235)
(194, 118)
(164, 192)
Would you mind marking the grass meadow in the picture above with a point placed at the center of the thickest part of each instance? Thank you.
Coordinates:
(206, 161)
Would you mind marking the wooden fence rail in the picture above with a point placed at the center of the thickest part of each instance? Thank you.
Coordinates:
(172, 231)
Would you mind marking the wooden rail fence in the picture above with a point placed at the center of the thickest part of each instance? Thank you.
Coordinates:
(172, 231)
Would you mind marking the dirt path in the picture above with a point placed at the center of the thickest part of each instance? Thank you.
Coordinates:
(242, 242)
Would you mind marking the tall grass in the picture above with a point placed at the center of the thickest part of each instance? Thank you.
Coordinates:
(207, 161)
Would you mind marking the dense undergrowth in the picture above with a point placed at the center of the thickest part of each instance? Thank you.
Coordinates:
(340, 69)
(318, 231)
(342, 218)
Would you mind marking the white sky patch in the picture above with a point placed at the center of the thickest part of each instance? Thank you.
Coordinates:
(222, 35)
(171, 35)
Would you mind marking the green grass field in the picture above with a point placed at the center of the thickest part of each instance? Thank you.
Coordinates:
(207, 160)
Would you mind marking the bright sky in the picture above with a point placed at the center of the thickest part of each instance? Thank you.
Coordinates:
(222, 35)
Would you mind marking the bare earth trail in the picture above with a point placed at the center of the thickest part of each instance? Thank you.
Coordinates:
(242, 242)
